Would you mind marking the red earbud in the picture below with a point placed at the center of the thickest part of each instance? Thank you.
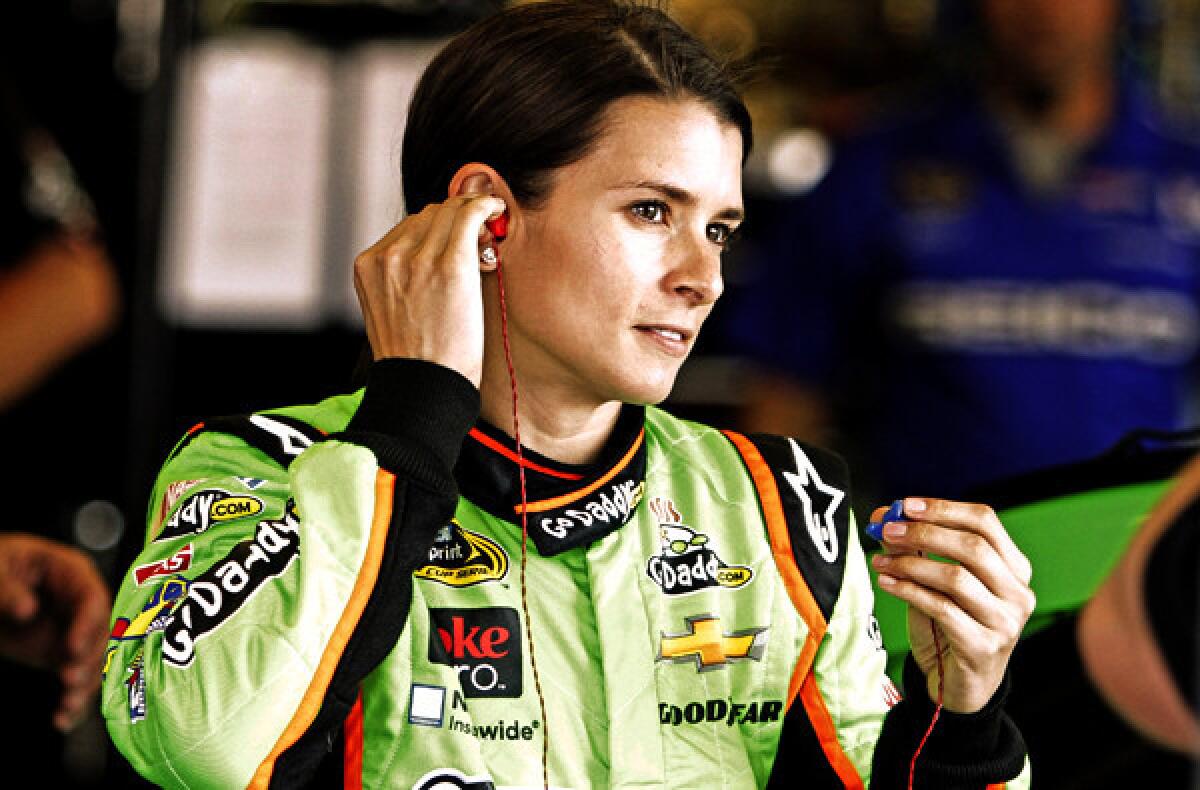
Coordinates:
(498, 227)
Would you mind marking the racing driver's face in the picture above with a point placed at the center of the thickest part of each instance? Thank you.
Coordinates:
(613, 274)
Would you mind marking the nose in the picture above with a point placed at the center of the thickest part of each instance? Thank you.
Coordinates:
(697, 275)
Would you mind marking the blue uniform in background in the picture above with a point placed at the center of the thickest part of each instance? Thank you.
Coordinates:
(981, 328)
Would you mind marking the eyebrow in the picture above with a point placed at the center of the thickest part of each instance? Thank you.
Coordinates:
(680, 195)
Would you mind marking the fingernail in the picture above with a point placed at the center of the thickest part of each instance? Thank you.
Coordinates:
(880, 560)
(895, 529)
(886, 581)
(912, 505)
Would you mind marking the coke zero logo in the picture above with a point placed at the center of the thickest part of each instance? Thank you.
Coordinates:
(483, 646)
(463, 641)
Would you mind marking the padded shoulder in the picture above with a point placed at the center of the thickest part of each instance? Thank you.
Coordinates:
(282, 434)
(814, 495)
(279, 436)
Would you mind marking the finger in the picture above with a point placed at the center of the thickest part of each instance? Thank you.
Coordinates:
(86, 635)
(17, 601)
(378, 262)
(972, 517)
(974, 553)
(71, 707)
(960, 628)
(954, 582)
(433, 245)
(81, 679)
(74, 587)
(467, 228)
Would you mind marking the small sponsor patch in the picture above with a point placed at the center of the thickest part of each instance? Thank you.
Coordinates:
(450, 779)
(687, 562)
(426, 705)
(137, 687)
(502, 730)
(891, 694)
(720, 711)
(820, 501)
(709, 647)
(154, 614)
(218, 593)
(483, 645)
(177, 562)
(462, 558)
(874, 633)
(153, 617)
(204, 508)
(170, 497)
(251, 482)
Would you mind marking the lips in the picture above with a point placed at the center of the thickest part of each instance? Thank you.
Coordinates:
(674, 339)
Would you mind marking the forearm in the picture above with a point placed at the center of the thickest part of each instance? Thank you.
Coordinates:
(60, 298)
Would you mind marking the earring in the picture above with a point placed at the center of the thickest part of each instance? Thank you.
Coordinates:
(488, 256)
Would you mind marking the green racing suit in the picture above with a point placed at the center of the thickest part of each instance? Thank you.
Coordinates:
(341, 588)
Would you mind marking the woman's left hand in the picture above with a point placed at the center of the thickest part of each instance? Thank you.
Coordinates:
(978, 602)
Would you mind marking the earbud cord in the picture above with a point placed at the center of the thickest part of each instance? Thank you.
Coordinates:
(937, 646)
(512, 378)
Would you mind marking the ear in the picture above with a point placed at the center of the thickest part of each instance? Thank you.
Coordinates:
(476, 178)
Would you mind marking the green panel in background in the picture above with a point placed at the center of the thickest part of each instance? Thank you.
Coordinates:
(1073, 541)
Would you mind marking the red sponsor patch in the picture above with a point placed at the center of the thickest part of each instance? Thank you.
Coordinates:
(891, 694)
(179, 561)
(170, 497)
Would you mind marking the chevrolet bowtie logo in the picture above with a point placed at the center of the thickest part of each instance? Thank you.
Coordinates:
(709, 646)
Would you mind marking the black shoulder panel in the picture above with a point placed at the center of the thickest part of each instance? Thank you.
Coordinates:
(814, 487)
(280, 437)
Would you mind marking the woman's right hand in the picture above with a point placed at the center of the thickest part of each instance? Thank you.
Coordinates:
(419, 286)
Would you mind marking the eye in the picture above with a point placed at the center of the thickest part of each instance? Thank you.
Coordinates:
(650, 211)
(721, 234)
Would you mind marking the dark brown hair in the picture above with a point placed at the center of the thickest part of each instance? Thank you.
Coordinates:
(525, 90)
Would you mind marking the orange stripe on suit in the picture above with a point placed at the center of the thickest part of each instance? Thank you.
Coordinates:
(310, 704)
(804, 682)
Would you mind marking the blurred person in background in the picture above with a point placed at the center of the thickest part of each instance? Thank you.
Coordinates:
(1004, 280)
(1138, 634)
(54, 617)
(59, 295)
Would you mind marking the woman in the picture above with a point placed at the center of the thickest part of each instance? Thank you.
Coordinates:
(693, 603)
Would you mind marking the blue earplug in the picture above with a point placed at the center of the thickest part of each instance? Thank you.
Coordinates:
(894, 513)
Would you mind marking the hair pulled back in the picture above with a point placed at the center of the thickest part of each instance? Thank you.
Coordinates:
(525, 91)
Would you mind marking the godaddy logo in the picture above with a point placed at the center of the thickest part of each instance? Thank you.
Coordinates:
(687, 562)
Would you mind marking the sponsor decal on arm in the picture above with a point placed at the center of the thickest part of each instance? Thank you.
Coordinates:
(177, 562)
(203, 509)
(217, 594)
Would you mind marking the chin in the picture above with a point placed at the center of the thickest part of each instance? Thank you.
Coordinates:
(646, 393)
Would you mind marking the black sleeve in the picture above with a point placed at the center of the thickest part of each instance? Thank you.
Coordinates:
(414, 417)
(1172, 585)
(965, 751)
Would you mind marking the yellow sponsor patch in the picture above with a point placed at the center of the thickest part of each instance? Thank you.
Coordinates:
(461, 558)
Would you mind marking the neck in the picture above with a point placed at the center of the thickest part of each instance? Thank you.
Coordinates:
(552, 423)
(1076, 110)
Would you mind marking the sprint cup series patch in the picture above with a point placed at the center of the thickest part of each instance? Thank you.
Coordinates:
(462, 558)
